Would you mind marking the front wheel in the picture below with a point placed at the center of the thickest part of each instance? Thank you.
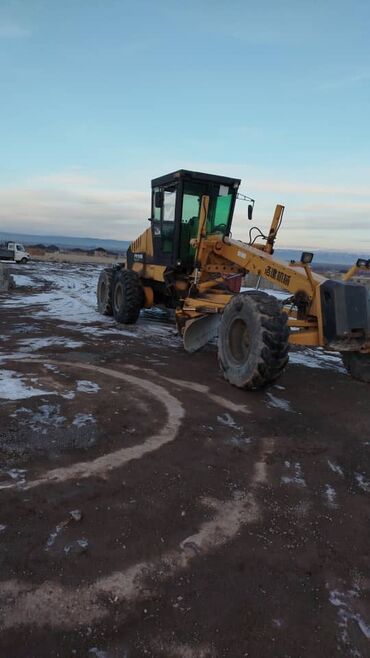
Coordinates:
(253, 340)
(24, 260)
(128, 297)
(358, 365)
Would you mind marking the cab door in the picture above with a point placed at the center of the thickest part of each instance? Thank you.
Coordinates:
(164, 212)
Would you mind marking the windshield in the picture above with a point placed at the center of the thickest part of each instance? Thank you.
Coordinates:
(219, 212)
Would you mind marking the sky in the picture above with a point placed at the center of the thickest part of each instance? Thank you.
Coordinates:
(97, 97)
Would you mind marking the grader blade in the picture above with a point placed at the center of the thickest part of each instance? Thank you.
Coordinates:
(200, 331)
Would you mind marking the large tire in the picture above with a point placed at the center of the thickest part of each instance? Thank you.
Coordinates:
(128, 297)
(24, 260)
(253, 340)
(104, 291)
(358, 365)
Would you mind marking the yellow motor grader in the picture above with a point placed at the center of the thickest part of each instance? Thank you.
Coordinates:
(187, 261)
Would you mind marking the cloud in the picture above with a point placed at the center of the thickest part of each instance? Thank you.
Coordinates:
(100, 213)
(65, 179)
(13, 31)
(76, 202)
(312, 188)
(332, 180)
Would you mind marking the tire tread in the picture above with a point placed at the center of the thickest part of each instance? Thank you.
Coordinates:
(129, 311)
(106, 306)
(271, 347)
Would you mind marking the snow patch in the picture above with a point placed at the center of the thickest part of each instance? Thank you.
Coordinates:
(296, 476)
(362, 482)
(16, 356)
(278, 403)
(32, 344)
(228, 420)
(46, 415)
(83, 419)
(278, 294)
(317, 358)
(53, 535)
(85, 386)
(71, 297)
(17, 478)
(335, 468)
(13, 387)
(23, 280)
(238, 439)
(98, 653)
(345, 604)
(52, 367)
(330, 495)
(69, 395)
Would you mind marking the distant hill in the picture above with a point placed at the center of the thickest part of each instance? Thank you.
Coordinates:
(119, 246)
(339, 258)
(66, 242)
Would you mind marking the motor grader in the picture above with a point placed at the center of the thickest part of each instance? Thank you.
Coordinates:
(187, 260)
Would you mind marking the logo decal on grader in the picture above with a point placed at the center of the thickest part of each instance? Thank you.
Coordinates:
(273, 273)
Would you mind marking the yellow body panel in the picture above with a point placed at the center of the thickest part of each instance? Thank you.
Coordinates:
(287, 276)
(149, 271)
(143, 244)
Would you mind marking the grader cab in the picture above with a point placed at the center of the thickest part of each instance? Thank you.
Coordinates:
(175, 214)
(186, 260)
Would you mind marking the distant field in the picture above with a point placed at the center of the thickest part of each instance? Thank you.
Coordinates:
(76, 257)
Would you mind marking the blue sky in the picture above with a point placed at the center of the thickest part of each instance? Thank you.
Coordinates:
(100, 96)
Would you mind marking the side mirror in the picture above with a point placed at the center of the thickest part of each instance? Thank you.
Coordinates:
(250, 211)
(158, 199)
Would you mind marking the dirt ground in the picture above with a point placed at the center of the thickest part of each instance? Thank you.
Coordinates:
(150, 509)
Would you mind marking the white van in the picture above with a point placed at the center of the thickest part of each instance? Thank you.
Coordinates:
(14, 251)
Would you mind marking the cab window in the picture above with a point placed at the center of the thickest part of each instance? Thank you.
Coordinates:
(220, 213)
(168, 219)
(156, 214)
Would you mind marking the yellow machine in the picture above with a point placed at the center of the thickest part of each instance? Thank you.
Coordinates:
(186, 260)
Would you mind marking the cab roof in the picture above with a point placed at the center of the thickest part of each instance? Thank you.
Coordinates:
(175, 176)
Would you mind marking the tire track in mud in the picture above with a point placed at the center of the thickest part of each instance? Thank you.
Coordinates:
(199, 388)
(175, 413)
(59, 606)
(102, 465)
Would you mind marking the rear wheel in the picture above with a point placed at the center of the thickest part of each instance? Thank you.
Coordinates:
(253, 340)
(104, 291)
(128, 297)
(358, 365)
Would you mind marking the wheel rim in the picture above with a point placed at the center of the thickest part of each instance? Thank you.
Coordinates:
(118, 296)
(239, 340)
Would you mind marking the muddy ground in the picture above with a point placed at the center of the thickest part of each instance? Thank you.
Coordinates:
(150, 509)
